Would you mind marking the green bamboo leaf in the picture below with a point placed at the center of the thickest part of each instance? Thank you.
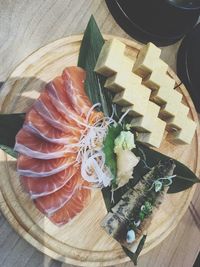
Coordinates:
(189, 179)
(90, 49)
(181, 183)
(106, 192)
(9, 150)
(134, 256)
(184, 179)
(10, 124)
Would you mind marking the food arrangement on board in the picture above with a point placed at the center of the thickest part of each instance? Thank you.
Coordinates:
(94, 127)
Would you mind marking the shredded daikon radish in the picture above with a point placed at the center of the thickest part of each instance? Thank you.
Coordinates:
(91, 109)
(123, 116)
(90, 154)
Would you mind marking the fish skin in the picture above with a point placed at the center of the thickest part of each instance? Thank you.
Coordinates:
(115, 222)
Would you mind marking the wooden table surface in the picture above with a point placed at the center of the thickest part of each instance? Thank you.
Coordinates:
(25, 26)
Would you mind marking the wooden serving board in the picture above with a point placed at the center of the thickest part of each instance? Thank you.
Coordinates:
(82, 241)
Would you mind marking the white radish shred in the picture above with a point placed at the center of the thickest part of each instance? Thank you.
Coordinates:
(124, 115)
(92, 109)
(91, 155)
(93, 169)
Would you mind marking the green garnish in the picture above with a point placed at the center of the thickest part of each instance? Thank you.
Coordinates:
(146, 210)
(108, 149)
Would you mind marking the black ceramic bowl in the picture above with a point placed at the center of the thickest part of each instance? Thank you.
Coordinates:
(156, 21)
(188, 5)
(188, 64)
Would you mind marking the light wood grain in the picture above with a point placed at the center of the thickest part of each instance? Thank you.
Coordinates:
(82, 241)
(24, 27)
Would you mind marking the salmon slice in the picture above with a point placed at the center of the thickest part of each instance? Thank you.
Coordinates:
(46, 109)
(59, 98)
(32, 167)
(74, 78)
(56, 88)
(75, 205)
(37, 187)
(35, 124)
(53, 202)
(34, 147)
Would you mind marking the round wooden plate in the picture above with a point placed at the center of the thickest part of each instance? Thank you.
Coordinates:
(82, 241)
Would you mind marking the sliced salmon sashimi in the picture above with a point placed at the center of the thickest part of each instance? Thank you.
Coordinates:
(48, 147)
(56, 91)
(53, 202)
(74, 81)
(75, 205)
(41, 168)
(33, 146)
(35, 124)
(37, 187)
(45, 108)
